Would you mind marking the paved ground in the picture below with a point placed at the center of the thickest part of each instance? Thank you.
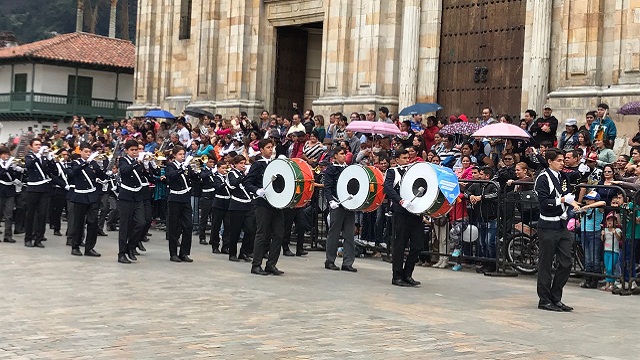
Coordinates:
(56, 306)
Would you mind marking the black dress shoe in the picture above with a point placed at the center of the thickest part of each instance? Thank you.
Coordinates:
(135, 252)
(141, 247)
(330, 266)
(412, 282)
(216, 250)
(44, 239)
(400, 282)
(348, 268)
(57, 233)
(9, 240)
(123, 260)
(273, 271)
(92, 253)
(287, 252)
(38, 245)
(301, 253)
(68, 242)
(83, 243)
(100, 233)
(225, 251)
(18, 232)
(132, 255)
(562, 306)
(145, 239)
(257, 270)
(76, 252)
(30, 243)
(549, 307)
(234, 258)
(203, 242)
(244, 257)
(186, 258)
(175, 258)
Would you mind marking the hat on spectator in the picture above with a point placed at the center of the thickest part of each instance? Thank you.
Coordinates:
(592, 157)
(611, 214)
(274, 133)
(243, 113)
(547, 106)
(463, 117)
(571, 122)
(592, 195)
(300, 133)
(238, 137)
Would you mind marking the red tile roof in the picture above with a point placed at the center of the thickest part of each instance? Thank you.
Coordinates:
(78, 47)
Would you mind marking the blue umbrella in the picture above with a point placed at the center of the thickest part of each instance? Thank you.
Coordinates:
(420, 108)
(163, 114)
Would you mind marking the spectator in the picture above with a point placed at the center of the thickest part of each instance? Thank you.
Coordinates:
(545, 128)
(603, 128)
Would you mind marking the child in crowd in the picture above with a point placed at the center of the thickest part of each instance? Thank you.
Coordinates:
(590, 227)
(611, 236)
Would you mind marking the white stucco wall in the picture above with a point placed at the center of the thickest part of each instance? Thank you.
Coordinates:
(5, 76)
(53, 80)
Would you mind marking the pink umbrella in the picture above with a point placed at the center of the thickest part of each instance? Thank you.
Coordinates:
(502, 131)
(360, 126)
(384, 128)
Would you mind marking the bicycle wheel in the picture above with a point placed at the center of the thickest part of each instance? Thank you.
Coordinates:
(523, 253)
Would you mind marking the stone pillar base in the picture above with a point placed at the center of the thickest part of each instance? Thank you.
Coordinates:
(325, 106)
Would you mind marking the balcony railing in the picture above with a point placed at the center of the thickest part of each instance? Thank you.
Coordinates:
(60, 105)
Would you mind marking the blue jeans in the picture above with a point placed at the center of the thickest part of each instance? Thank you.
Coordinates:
(487, 238)
(591, 244)
(610, 263)
(629, 247)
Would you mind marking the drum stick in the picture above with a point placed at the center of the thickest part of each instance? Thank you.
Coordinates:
(420, 193)
(273, 177)
(347, 199)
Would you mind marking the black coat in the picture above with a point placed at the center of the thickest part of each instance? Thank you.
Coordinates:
(131, 179)
(240, 197)
(38, 174)
(253, 181)
(178, 182)
(331, 175)
(84, 176)
(222, 195)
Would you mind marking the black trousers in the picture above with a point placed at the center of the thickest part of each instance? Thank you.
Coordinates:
(6, 206)
(85, 213)
(241, 220)
(147, 212)
(179, 223)
(131, 224)
(35, 220)
(298, 217)
(104, 210)
(219, 217)
(556, 242)
(56, 207)
(206, 212)
(409, 231)
(112, 218)
(269, 233)
(20, 212)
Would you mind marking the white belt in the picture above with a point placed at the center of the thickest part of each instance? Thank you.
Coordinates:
(134, 189)
(180, 192)
(208, 190)
(222, 197)
(550, 218)
(8, 183)
(85, 191)
(35, 183)
(246, 201)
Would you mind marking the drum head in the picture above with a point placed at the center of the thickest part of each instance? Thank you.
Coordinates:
(419, 175)
(354, 181)
(279, 192)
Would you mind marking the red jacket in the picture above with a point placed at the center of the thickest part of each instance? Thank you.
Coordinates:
(429, 136)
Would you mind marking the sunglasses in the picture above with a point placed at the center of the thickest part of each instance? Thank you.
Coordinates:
(508, 159)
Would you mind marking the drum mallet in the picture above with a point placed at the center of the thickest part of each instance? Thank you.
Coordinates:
(346, 199)
(273, 177)
(420, 193)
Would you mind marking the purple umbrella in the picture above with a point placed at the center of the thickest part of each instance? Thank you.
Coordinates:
(631, 108)
(460, 128)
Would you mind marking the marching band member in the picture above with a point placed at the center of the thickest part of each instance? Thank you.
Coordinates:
(39, 167)
(341, 220)
(241, 214)
(179, 211)
(269, 220)
(130, 202)
(220, 207)
(207, 178)
(60, 189)
(408, 226)
(9, 171)
(149, 171)
(85, 197)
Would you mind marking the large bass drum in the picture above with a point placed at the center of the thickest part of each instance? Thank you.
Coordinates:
(292, 184)
(361, 188)
(440, 186)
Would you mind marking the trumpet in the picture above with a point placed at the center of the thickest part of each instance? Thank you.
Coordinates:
(203, 159)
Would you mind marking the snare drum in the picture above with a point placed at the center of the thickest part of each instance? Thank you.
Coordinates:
(440, 186)
(292, 185)
(361, 188)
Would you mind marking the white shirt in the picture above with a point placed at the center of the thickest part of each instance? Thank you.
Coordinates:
(184, 137)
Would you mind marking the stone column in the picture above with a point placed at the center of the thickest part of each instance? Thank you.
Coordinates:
(540, 51)
(409, 53)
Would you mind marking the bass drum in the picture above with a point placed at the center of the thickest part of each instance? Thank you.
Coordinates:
(292, 185)
(440, 186)
(361, 188)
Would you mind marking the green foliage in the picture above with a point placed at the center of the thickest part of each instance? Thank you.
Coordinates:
(33, 20)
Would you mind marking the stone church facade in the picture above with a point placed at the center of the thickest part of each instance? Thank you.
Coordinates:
(228, 56)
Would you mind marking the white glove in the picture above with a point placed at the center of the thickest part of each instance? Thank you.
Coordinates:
(10, 163)
(39, 155)
(49, 156)
(333, 204)
(188, 159)
(569, 198)
(583, 168)
(141, 155)
(146, 164)
(406, 204)
(66, 187)
(260, 193)
(42, 149)
(17, 168)
(109, 173)
(92, 157)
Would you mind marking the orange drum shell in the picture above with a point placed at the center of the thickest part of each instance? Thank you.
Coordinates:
(380, 195)
(308, 186)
